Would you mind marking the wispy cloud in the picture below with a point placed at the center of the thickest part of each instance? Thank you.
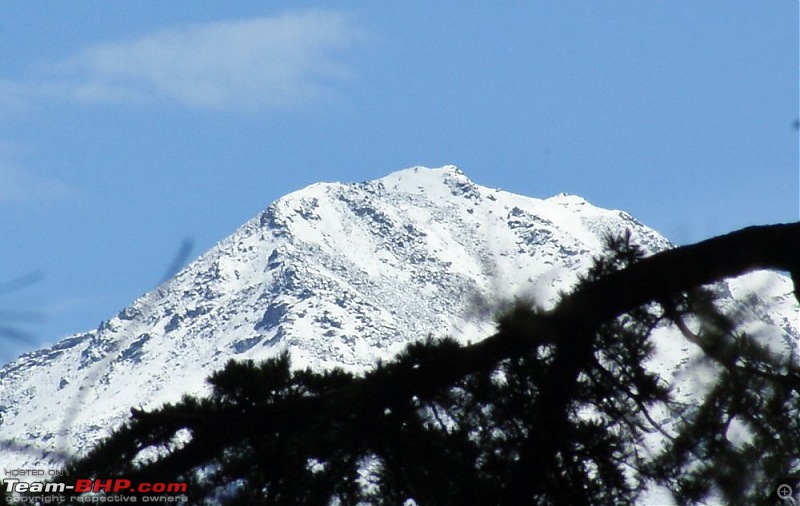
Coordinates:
(19, 184)
(271, 62)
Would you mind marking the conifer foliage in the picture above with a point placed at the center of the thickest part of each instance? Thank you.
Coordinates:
(558, 407)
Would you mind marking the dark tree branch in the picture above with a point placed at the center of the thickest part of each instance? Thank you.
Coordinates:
(659, 277)
(571, 327)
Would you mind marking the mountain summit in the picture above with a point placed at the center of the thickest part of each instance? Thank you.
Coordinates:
(338, 275)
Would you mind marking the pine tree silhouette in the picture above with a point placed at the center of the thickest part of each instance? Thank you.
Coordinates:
(558, 407)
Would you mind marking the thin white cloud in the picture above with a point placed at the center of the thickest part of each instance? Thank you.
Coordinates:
(272, 62)
(19, 184)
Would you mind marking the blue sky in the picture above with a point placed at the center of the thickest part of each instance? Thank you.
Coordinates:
(131, 129)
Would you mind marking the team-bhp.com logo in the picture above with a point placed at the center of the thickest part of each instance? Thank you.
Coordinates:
(115, 490)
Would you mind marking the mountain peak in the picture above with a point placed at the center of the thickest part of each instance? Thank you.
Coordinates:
(419, 178)
(423, 173)
(568, 198)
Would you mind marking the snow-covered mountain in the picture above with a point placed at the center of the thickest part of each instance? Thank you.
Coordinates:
(339, 275)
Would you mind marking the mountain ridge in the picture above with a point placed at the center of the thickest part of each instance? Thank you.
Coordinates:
(339, 275)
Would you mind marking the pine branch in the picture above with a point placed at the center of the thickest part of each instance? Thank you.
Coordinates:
(571, 327)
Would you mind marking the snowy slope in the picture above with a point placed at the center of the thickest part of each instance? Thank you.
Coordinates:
(339, 275)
